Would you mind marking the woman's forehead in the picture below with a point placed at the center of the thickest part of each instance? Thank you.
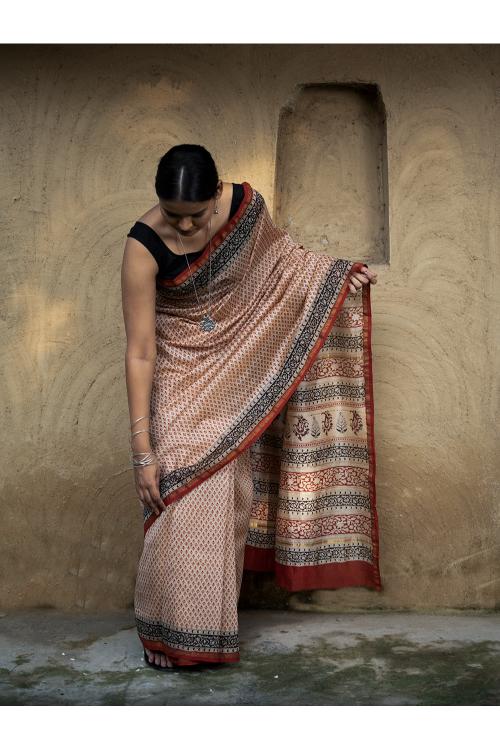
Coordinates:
(184, 206)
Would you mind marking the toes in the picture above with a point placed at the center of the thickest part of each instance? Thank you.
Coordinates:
(158, 658)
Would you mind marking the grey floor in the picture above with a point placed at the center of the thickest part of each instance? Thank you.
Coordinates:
(287, 658)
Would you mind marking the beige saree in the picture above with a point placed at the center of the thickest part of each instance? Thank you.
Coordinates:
(263, 429)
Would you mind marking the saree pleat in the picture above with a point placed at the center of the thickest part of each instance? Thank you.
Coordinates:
(190, 571)
(264, 432)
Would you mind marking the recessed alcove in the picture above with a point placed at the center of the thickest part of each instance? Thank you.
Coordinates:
(331, 188)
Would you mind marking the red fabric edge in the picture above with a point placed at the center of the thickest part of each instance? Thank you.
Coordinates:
(259, 428)
(188, 658)
(215, 242)
(299, 578)
(258, 559)
(370, 426)
(355, 573)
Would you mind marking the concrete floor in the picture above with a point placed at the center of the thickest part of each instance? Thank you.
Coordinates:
(287, 658)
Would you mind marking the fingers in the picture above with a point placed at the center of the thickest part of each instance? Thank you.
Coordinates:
(151, 498)
(372, 275)
(355, 283)
(358, 278)
(368, 274)
(160, 505)
(147, 484)
(155, 502)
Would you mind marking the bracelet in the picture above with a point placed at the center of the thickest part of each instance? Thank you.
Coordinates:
(149, 456)
(137, 433)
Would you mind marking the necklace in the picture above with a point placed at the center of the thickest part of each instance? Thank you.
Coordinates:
(207, 323)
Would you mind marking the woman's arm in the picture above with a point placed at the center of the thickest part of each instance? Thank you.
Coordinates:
(138, 279)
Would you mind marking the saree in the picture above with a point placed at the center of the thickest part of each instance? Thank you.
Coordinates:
(264, 433)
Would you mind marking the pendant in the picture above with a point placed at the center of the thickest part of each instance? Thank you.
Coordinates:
(208, 323)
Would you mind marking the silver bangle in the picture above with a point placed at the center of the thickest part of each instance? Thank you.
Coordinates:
(149, 456)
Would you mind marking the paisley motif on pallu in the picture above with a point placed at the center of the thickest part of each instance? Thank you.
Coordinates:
(283, 383)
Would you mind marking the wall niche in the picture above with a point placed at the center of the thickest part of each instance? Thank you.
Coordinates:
(331, 187)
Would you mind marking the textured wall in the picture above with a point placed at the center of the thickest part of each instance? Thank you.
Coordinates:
(82, 128)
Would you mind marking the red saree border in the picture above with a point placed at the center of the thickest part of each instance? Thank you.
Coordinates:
(370, 427)
(264, 423)
(356, 573)
(225, 229)
(183, 658)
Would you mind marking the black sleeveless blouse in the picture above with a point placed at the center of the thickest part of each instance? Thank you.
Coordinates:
(170, 264)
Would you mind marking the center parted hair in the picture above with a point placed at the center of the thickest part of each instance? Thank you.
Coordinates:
(186, 172)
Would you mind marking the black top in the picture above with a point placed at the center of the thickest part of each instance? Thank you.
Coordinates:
(171, 264)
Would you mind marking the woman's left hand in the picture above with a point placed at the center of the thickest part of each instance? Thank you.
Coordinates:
(358, 278)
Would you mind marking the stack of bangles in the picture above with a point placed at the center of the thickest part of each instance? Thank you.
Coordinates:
(147, 457)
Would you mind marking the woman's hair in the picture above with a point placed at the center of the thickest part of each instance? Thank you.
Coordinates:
(186, 172)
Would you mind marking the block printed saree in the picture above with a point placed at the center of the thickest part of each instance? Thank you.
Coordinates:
(264, 433)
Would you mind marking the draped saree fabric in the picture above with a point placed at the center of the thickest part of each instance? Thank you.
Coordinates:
(264, 433)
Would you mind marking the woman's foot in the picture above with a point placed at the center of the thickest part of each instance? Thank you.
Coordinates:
(158, 658)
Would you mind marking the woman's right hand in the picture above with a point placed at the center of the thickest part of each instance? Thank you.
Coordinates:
(147, 484)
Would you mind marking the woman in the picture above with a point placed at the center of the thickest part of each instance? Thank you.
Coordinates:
(235, 375)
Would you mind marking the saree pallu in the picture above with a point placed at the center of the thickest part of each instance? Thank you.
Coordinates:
(264, 433)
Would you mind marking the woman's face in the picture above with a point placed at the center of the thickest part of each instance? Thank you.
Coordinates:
(186, 217)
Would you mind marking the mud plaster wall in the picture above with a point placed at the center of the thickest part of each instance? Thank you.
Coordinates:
(82, 128)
